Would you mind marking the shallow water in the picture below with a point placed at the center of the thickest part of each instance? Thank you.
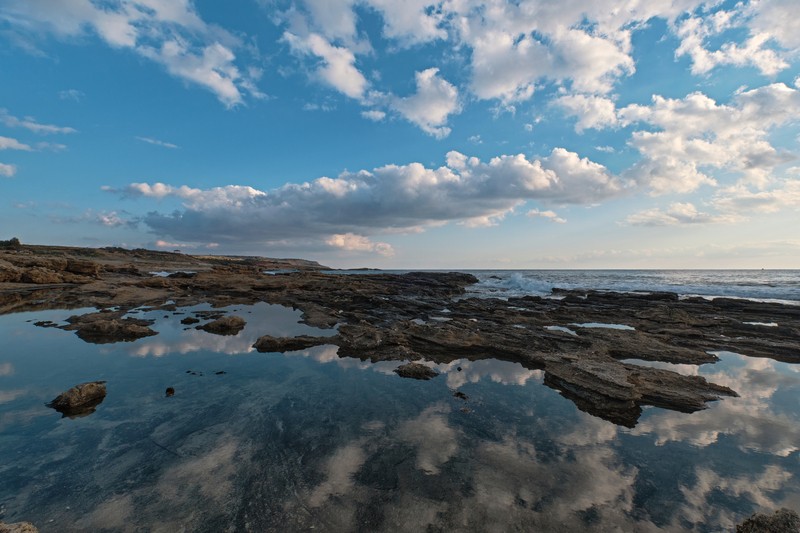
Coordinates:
(302, 440)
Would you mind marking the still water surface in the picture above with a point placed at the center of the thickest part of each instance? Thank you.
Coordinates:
(309, 440)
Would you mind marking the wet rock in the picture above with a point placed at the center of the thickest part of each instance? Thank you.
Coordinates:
(182, 275)
(782, 521)
(416, 371)
(18, 527)
(80, 400)
(190, 320)
(109, 327)
(269, 344)
(460, 395)
(169, 392)
(228, 325)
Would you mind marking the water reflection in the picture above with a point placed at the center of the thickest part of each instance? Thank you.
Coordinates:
(311, 440)
(756, 419)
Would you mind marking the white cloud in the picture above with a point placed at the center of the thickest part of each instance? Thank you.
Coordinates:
(359, 243)
(337, 64)
(549, 215)
(678, 213)
(169, 33)
(387, 199)
(71, 94)
(374, 115)
(7, 143)
(772, 28)
(742, 199)
(695, 133)
(30, 124)
(592, 111)
(429, 108)
(411, 21)
(156, 142)
(7, 170)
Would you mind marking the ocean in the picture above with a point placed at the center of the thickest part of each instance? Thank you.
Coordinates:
(764, 285)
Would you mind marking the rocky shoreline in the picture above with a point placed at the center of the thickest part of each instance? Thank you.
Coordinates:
(418, 316)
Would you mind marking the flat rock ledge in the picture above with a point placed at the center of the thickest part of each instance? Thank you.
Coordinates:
(426, 316)
(416, 371)
(80, 400)
(227, 325)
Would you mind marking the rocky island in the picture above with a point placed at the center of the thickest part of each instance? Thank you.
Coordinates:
(416, 317)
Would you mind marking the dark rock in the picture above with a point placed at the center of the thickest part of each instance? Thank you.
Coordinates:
(460, 395)
(416, 371)
(80, 400)
(269, 344)
(228, 325)
(782, 521)
(190, 320)
(108, 327)
(182, 275)
(170, 392)
(220, 372)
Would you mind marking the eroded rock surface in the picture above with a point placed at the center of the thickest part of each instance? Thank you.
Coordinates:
(426, 316)
(80, 400)
(227, 325)
(108, 327)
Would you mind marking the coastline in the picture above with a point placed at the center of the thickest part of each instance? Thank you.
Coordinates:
(421, 316)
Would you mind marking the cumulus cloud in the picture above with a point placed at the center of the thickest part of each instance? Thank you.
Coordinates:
(435, 100)
(772, 30)
(696, 133)
(30, 124)
(341, 212)
(591, 111)
(336, 63)
(169, 33)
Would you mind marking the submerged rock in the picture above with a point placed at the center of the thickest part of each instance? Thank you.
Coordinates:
(227, 325)
(269, 344)
(18, 527)
(80, 400)
(782, 521)
(416, 371)
(106, 328)
(170, 392)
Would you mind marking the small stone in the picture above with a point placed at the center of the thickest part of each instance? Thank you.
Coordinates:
(170, 392)
(189, 320)
(80, 400)
(461, 395)
(416, 371)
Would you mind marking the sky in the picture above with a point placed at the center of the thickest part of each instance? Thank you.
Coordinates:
(407, 133)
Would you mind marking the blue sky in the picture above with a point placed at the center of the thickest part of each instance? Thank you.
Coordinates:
(414, 134)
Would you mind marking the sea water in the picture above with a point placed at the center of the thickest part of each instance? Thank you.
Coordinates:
(308, 440)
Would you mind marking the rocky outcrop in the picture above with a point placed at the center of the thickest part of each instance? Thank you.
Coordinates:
(782, 521)
(227, 325)
(416, 371)
(80, 400)
(403, 318)
(269, 344)
(108, 327)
